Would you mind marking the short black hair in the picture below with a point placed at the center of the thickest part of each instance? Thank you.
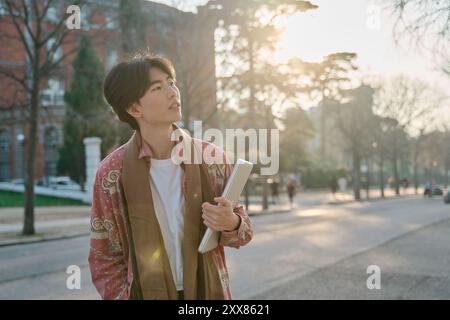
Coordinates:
(128, 81)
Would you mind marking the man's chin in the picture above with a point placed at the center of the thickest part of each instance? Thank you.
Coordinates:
(177, 118)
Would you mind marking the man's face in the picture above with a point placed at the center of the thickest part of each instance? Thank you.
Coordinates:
(160, 104)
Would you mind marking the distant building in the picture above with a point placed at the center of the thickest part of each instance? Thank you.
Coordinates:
(335, 153)
(184, 37)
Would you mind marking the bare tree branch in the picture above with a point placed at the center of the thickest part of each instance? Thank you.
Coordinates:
(14, 13)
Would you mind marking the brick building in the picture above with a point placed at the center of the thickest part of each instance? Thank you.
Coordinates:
(184, 37)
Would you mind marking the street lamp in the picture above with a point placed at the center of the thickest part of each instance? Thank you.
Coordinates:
(21, 138)
(433, 171)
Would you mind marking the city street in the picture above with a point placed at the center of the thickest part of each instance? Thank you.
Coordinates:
(342, 114)
(319, 252)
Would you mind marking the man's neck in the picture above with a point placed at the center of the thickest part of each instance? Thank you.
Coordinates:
(158, 139)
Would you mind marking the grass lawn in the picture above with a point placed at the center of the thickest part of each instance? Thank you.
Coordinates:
(16, 199)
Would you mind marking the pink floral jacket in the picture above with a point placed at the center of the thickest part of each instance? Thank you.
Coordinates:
(109, 256)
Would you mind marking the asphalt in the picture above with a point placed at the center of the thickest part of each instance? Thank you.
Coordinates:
(310, 253)
(53, 223)
(415, 265)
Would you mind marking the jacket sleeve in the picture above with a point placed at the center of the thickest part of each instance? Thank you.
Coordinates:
(244, 233)
(106, 260)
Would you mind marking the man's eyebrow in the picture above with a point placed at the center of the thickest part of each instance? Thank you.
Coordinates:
(159, 81)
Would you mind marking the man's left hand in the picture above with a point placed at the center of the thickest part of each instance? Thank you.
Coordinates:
(220, 217)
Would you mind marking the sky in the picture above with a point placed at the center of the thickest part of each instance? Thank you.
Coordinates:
(359, 26)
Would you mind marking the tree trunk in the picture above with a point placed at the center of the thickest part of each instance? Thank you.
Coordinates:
(28, 224)
(265, 202)
(382, 177)
(396, 178)
(446, 176)
(415, 166)
(246, 196)
(252, 76)
(367, 180)
(83, 182)
(356, 184)
(416, 182)
(322, 132)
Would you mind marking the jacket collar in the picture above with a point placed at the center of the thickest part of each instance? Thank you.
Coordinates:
(145, 150)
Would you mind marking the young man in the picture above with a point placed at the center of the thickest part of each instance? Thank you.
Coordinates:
(149, 213)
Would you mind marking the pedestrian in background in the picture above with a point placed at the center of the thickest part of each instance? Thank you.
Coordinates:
(274, 188)
(333, 185)
(291, 191)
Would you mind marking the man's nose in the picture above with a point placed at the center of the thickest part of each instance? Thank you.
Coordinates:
(172, 92)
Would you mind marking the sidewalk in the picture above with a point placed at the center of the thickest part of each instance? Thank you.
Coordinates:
(53, 223)
(310, 198)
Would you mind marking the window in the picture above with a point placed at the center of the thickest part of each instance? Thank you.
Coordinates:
(56, 52)
(5, 12)
(2, 8)
(52, 15)
(4, 156)
(51, 151)
(53, 95)
(55, 85)
(85, 17)
(110, 22)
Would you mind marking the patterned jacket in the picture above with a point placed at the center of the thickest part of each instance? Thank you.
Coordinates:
(109, 256)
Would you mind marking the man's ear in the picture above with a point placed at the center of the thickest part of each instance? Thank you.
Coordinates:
(135, 110)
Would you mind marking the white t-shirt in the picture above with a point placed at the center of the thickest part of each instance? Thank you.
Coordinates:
(168, 200)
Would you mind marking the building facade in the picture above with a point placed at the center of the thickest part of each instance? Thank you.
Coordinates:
(184, 37)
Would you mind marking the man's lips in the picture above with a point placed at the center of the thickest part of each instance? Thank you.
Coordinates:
(175, 105)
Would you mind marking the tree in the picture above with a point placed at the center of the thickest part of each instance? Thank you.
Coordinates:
(417, 144)
(352, 118)
(397, 149)
(132, 25)
(435, 153)
(248, 38)
(446, 153)
(411, 104)
(426, 22)
(194, 59)
(328, 78)
(87, 114)
(297, 129)
(380, 145)
(41, 40)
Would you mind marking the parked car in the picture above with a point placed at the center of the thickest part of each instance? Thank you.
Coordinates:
(18, 181)
(447, 197)
(64, 183)
(438, 191)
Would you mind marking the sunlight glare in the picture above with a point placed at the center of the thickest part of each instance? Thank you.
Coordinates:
(298, 39)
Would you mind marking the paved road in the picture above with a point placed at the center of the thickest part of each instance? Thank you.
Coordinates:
(415, 265)
(319, 252)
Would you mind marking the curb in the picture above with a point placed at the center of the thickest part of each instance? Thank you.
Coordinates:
(265, 212)
(336, 203)
(35, 239)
